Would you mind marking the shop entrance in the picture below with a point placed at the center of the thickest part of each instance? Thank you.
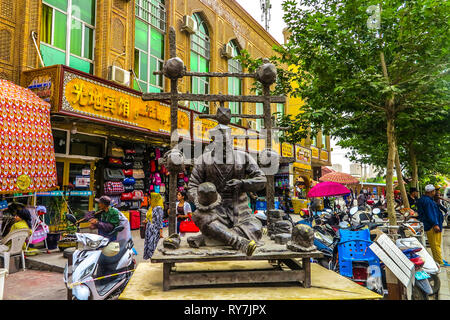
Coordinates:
(76, 179)
(79, 181)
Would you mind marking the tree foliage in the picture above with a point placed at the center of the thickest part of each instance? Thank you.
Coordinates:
(365, 66)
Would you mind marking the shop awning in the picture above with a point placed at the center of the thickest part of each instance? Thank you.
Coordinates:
(27, 160)
(339, 177)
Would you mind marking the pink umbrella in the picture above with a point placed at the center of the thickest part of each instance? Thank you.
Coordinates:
(327, 189)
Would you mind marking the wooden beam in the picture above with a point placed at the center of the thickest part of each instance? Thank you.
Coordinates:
(213, 74)
(235, 277)
(164, 96)
(287, 160)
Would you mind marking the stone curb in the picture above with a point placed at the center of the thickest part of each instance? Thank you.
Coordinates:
(42, 266)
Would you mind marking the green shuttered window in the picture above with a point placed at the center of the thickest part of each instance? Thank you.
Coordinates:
(67, 33)
(235, 84)
(150, 29)
(200, 56)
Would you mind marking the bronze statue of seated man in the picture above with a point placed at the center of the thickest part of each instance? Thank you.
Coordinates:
(218, 185)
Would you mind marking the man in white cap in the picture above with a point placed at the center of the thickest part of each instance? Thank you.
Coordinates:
(432, 220)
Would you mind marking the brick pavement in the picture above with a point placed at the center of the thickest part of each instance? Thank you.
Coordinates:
(34, 285)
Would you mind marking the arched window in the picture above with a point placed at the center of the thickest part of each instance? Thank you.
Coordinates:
(200, 58)
(150, 30)
(235, 84)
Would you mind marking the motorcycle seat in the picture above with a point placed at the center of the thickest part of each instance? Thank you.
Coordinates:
(418, 262)
(411, 250)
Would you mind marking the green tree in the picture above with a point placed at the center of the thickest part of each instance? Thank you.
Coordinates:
(359, 60)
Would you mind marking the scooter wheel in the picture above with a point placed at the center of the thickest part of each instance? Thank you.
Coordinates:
(435, 284)
(418, 294)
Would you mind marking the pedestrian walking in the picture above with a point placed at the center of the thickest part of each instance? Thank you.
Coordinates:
(412, 198)
(153, 231)
(432, 219)
(438, 200)
(184, 209)
(362, 198)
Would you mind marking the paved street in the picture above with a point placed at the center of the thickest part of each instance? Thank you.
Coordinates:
(445, 272)
(45, 285)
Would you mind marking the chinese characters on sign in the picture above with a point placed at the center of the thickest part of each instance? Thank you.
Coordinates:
(287, 150)
(324, 155)
(99, 100)
(315, 152)
(302, 158)
(302, 155)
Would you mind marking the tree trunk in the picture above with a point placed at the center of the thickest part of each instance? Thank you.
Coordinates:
(390, 117)
(400, 178)
(390, 169)
(414, 169)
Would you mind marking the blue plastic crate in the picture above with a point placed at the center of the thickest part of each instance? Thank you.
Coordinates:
(261, 205)
(346, 235)
(354, 247)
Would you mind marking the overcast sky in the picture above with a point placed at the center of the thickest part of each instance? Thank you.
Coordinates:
(276, 24)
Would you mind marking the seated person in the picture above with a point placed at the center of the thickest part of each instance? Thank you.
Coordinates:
(108, 220)
(22, 220)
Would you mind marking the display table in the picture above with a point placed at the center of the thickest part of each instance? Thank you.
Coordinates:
(275, 273)
(146, 284)
(285, 265)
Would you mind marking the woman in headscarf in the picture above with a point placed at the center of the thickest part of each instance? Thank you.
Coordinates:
(153, 232)
(22, 220)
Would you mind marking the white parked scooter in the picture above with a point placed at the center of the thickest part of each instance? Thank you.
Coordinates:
(431, 268)
(101, 268)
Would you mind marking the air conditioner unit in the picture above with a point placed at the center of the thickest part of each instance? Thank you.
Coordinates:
(227, 51)
(189, 25)
(119, 75)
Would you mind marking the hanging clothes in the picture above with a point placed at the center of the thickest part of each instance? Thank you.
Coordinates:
(154, 225)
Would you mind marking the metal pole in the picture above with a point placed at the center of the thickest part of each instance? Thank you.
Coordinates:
(173, 143)
(173, 139)
(270, 186)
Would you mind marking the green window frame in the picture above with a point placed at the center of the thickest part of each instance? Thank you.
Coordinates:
(324, 141)
(150, 30)
(259, 111)
(200, 59)
(235, 84)
(280, 110)
(314, 138)
(68, 33)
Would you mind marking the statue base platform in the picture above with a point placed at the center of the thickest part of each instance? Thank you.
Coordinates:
(284, 265)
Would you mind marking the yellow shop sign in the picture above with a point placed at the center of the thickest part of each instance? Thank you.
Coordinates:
(98, 100)
(287, 150)
(315, 152)
(201, 128)
(238, 143)
(302, 155)
(324, 155)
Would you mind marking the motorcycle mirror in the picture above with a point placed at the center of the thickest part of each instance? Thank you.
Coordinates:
(376, 211)
(353, 210)
(117, 229)
(71, 218)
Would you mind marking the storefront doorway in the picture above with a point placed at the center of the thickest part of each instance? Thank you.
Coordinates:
(78, 179)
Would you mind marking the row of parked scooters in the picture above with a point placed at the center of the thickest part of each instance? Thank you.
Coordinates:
(344, 237)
